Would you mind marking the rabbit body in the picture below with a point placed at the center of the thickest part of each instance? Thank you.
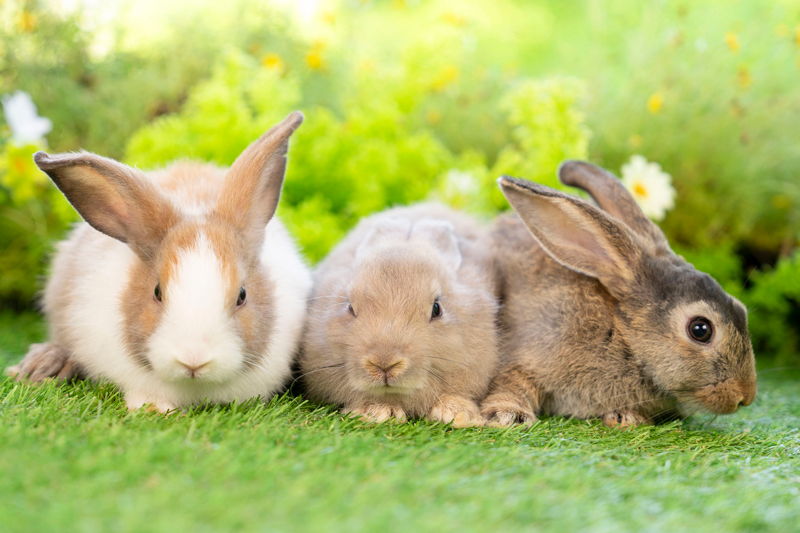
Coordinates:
(402, 318)
(206, 303)
(597, 312)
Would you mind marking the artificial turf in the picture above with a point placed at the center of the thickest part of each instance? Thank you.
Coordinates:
(73, 458)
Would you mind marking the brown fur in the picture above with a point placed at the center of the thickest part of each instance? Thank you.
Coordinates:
(392, 359)
(594, 314)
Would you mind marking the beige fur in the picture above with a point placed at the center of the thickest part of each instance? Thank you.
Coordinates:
(388, 357)
(596, 309)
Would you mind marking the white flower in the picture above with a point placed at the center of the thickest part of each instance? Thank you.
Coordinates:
(27, 127)
(461, 183)
(650, 186)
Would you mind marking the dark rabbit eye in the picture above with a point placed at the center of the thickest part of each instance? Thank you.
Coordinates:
(350, 309)
(157, 292)
(700, 329)
(242, 297)
(436, 312)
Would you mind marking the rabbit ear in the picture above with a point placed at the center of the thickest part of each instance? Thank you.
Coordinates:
(576, 234)
(385, 229)
(253, 184)
(442, 235)
(113, 198)
(609, 193)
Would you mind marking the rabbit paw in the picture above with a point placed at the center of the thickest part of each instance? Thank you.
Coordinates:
(136, 401)
(462, 412)
(623, 419)
(376, 412)
(44, 361)
(499, 412)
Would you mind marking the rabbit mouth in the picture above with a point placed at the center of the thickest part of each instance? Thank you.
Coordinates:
(385, 389)
(726, 396)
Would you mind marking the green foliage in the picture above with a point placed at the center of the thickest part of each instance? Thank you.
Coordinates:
(707, 89)
(33, 214)
(341, 169)
(429, 100)
(774, 303)
(548, 128)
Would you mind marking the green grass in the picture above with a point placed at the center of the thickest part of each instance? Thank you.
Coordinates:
(72, 458)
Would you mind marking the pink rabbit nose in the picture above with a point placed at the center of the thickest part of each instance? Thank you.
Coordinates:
(194, 368)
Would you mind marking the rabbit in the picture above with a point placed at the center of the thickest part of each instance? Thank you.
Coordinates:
(600, 318)
(182, 286)
(402, 318)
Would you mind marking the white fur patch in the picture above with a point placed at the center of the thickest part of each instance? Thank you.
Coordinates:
(196, 329)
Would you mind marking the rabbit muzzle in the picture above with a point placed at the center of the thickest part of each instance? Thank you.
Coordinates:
(726, 396)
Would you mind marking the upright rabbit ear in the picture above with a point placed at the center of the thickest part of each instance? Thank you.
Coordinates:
(113, 198)
(253, 184)
(609, 193)
(576, 234)
(442, 235)
(386, 229)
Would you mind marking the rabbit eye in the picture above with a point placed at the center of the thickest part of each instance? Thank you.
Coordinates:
(700, 329)
(242, 297)
(436, 312)
(350, 309)
(157, 292)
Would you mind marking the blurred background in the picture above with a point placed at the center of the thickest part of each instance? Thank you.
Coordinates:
(695, 104)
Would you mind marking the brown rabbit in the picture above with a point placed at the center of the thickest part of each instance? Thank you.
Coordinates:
(402, 319)
(600, 318)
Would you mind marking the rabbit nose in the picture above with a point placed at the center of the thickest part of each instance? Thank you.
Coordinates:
(194, 368)
(387, 370)
(748, 395)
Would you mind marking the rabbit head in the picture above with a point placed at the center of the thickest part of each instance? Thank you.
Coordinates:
(398, 309)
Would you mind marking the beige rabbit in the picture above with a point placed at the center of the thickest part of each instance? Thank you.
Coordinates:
(181, 287)
(601, 319)
(402, 318)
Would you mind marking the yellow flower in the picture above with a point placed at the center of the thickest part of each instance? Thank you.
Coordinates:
(797, 35)
(329, 17)
(448, 75)
(635, 140)
(27, 22)
(314, 60)
(655, 102)
(454, 19)
(743, 77)
(273, 61)
(732, 41)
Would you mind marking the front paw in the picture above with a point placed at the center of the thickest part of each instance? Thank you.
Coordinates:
(135, 402)
(623, 419)
(376, 412)
(500, 412)
(44, 361)
(462, 412)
